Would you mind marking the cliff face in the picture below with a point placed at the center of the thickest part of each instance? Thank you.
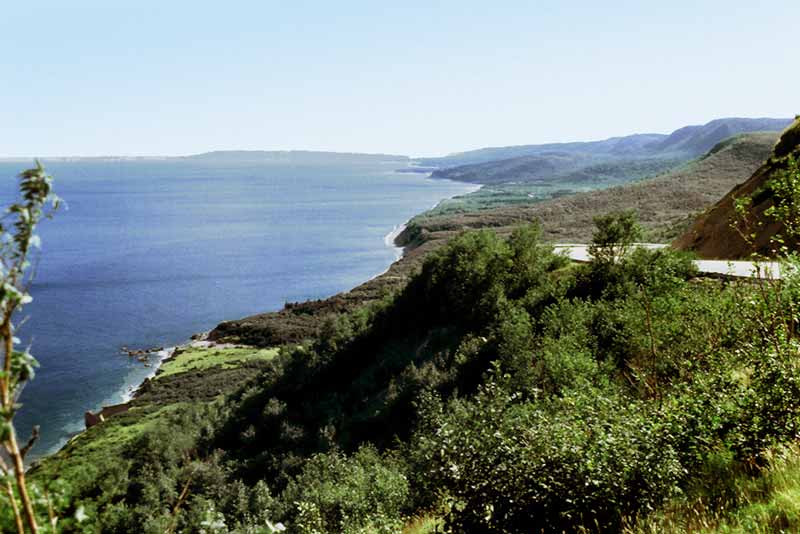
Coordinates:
(714, 234)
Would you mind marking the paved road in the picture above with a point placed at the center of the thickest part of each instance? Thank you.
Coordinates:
(736, 269)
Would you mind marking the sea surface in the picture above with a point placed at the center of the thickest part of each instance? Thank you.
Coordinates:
(150, 252)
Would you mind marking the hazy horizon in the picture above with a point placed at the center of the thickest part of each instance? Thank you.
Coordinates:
(145, 79)
(323, 151)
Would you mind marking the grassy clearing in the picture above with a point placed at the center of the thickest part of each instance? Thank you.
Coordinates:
(101, 441)
(193, 359)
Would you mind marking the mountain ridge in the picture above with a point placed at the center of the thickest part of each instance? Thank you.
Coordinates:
(532, 163)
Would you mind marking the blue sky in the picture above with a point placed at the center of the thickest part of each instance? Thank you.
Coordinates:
(417, 78)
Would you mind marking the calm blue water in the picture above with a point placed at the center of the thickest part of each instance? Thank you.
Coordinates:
(150, 252)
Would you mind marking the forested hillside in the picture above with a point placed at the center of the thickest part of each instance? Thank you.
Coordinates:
(687, 142)
(501, 390)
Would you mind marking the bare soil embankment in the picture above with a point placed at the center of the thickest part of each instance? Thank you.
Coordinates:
(718, 233)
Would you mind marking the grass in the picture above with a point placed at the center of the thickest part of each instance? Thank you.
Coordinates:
(771, 502)
(194, 358)
(518, 191)
(424, 525)
(767, 503)
(101, 441)
(493, 196)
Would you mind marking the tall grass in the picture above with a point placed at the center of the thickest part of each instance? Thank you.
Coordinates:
(768, 502)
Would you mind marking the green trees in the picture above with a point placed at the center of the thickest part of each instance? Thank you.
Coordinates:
(622, 390)
(472, 278)
(17, 239)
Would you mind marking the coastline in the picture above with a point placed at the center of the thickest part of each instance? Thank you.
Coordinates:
(163, 355)
(390, 240)
(130, 390)
(200, 340)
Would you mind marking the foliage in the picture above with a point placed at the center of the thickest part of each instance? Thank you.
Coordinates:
(521, 467)
(336, 493)
(785, 208)
(17, 241)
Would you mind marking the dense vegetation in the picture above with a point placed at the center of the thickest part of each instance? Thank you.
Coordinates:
(501, 390)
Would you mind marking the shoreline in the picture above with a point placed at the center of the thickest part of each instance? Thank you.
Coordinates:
(200, 339)
(129, 391)
(390, 240)
(163, 355)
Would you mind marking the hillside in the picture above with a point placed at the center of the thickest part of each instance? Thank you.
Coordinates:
(662, 202)
(609, 162)
(634, 143)
(697, 140)
(558, 168)
(719, 232)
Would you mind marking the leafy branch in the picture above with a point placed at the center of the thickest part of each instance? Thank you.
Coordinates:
(17, 240)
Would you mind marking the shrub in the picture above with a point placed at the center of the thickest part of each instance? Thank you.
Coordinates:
(364, 492)
(513, 340)
(586, 459)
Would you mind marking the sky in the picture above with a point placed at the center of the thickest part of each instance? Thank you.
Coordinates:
(175, 77)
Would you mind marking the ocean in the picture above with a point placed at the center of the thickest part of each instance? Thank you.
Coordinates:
(149, 252)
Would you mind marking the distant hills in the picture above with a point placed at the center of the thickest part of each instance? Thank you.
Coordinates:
(666, 204)
(635, 155)
(614, 145)
(631, 157)
(688, 142)
(297, 157)
(559, 167)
